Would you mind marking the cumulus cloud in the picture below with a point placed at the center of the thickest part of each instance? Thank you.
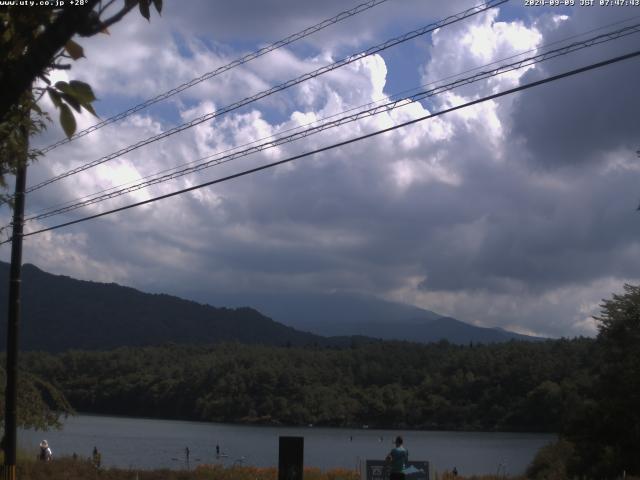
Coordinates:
(504, 214)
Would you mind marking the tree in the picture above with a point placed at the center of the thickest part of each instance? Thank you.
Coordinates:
(551, 461)
(33, 42)
(619, 385)
(607, 434)
(40, 403)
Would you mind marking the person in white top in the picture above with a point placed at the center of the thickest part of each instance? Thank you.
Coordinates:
(45, 451)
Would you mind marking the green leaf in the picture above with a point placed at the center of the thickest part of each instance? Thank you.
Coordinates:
(158, 4)
(67, 120)
(89, 108)
(82, 92)
(77, 94)
(63, 87)
(72, 101)
(144, 9)
(74, 50)
(55, 97)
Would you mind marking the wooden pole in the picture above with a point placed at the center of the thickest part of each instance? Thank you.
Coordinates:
(11, 390)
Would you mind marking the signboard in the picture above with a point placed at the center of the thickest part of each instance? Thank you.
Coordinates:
(380, 470)
(290, 458)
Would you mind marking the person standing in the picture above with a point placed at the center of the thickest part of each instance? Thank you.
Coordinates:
(398, 457)
(45, 452)
(96, 457)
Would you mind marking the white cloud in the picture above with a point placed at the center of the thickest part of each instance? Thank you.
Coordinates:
(479, 42)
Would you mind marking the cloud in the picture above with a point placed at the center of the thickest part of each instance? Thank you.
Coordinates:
(246, 20)
(484, 40)
(503, 214)
(581, 119)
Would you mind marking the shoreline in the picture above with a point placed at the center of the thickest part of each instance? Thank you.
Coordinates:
(309, 426)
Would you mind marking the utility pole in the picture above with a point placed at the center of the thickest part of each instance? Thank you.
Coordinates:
(13, 320)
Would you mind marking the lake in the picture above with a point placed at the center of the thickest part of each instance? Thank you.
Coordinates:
(139, 443)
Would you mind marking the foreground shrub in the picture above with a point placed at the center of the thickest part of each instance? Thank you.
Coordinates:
(552, 462)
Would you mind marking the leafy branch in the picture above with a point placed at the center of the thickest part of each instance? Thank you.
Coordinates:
(34, 42)
(76, 95)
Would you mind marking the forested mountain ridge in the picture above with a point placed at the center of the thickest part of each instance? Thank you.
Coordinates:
(59, 313)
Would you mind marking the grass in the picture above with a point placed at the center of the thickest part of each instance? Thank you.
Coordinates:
(70, 469)
(450, 476)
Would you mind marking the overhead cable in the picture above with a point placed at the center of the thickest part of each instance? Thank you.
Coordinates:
(344, 143)
(307, 76)
(236, 63)
(403, 94)
(223, 157)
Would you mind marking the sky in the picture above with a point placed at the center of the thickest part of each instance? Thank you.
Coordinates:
(519, 212)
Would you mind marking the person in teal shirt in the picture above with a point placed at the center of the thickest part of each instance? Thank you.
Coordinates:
(399, 457)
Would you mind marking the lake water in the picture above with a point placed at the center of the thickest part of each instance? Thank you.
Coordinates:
(138, 443)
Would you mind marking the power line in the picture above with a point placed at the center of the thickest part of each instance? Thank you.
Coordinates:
(397, 95)
(546, 45)
(344, 143)
(307, 76)
(236, 63)
(263, 51)
(201, 164)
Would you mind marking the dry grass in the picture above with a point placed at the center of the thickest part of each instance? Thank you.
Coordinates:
(69, 469)
(450, 476)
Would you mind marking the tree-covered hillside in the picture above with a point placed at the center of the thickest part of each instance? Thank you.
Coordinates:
(59, 313)
(512, 386)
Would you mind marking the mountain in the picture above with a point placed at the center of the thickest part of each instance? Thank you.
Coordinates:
(348, 314)
(60, 313)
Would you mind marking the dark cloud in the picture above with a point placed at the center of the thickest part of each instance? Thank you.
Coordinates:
(576, 231)
(583, 118)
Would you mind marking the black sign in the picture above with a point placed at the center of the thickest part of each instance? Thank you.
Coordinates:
(380, 470)
(290, 458)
